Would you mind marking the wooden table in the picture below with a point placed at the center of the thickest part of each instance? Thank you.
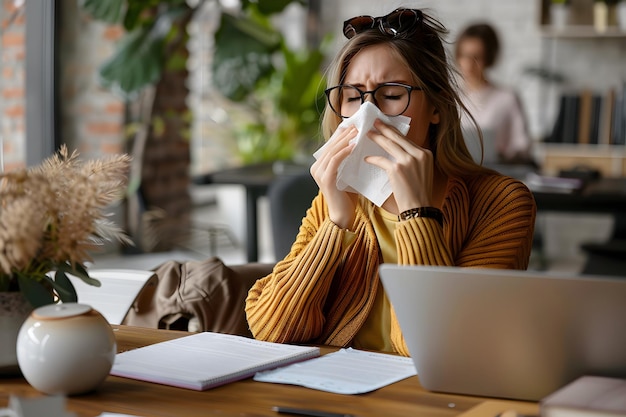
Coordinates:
(249, 398)
(604, 195)
(601, 196)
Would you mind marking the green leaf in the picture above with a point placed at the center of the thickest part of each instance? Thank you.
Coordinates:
(268, 7)
(176, 62)
(80, 272)
(258, 27)
(64, 287)
(137, 63)
(243, 55)
(133, 185)
(35, 291)
(139, 58)
(302, 79)
(109, 11)
(133, 14)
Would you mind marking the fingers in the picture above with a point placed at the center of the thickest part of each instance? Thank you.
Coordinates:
(342, 140)
(402, 150)
(336, 151)
(409, 167)
(341, 204)
(390, 139)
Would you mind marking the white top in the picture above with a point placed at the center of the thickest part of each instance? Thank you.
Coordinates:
(61, 311)
(498, 110)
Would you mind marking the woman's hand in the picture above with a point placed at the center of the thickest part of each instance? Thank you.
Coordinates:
(341, 204)
(411, 174)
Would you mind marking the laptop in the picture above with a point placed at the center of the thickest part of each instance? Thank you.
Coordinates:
(508, 334)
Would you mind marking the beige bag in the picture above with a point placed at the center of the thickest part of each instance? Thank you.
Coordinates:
(207, 292)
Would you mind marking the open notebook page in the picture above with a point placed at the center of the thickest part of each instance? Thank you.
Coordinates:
(347, 371)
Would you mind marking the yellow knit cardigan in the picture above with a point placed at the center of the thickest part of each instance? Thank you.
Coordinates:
(323, 291)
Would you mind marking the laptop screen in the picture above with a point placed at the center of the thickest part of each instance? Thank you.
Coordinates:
(508, 334)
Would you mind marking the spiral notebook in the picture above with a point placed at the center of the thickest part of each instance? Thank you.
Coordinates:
(206, 360)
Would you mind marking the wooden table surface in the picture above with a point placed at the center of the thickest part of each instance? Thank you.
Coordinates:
(247, 398)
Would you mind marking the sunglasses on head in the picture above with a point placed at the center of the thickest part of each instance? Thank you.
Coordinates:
(395, 23)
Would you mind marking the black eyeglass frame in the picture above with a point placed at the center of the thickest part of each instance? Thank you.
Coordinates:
(350, 29)
(409, 89)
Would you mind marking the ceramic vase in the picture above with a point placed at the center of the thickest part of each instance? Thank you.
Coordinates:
(559, 15)
(78, 352)
(600, 16)
(620, 12)
(14, 309)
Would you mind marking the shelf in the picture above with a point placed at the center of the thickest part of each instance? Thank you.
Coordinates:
(609, 160)
(580, 22)
(581, 32)
(582, 148)
(578, 29)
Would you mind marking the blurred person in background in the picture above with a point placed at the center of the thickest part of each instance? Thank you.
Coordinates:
(496, 109)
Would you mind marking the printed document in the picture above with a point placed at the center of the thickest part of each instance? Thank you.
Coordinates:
(347, 371)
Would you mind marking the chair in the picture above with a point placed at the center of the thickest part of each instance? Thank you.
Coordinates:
(117, 293)
(290, 196)
(608, 258)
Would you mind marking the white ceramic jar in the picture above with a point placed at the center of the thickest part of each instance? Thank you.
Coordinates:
(65, 349)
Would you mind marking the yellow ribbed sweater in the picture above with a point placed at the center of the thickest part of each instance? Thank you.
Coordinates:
(324, 289)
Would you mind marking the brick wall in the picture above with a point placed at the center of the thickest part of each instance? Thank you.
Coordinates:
(91, 117)
(213, 143)
(12, 74)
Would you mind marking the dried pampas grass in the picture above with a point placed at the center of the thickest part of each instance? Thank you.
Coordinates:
(53, 214)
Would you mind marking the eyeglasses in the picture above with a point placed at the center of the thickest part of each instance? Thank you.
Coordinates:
(391, 98)
(395, 23)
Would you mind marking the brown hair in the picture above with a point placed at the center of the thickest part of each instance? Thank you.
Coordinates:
(422, 51)
(489, 38)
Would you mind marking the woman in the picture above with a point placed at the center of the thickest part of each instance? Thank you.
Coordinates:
(445, 209)
(497, 110)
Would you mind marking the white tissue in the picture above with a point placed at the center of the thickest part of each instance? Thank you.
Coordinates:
(356, 175)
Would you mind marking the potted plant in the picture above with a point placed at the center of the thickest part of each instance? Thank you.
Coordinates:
(149, 65)
(279, 87)
(51, 217)
(148, 70)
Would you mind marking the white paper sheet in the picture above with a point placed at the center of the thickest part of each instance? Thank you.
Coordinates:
(347, 371)
(116, 415)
